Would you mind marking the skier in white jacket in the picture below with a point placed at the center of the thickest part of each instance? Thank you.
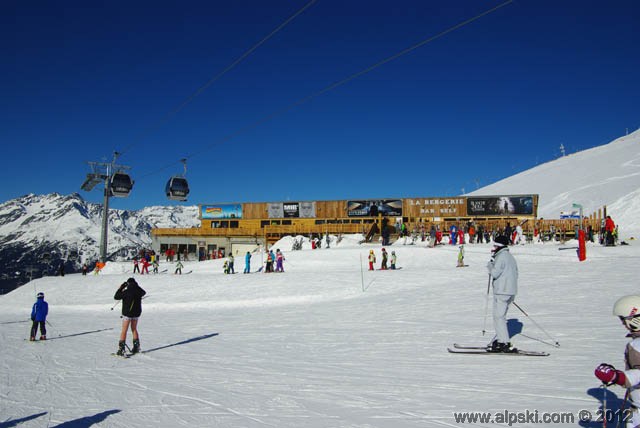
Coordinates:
(627, 309)
(504, 273)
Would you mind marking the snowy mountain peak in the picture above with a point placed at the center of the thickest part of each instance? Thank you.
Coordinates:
(607, 175)
(32, 225)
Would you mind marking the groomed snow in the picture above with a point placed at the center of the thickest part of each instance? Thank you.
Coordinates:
(310, 348)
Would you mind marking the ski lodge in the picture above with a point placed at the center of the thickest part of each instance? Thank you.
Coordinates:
(242, 227)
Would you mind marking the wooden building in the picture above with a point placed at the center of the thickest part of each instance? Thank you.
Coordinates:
(241, 227)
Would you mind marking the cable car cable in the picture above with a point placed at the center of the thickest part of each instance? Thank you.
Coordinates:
(204, 87)
(334, 85)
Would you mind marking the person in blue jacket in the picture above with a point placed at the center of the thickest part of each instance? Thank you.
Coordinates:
(39, 317)
(247, 263)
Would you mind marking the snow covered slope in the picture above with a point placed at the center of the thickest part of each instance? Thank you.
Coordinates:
(324, 344)
(605, 175)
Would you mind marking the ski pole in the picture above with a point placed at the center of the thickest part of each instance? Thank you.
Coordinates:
(51, 325)
(557, 344)
(486, 307)
(113, 307)
(621, 414)
(361, 273)
(604, 405)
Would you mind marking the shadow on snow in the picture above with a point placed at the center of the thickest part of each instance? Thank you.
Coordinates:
(16, 422)
(14, 322)
(184, 342)
(614, 405)
(80, 334)
(87, 421)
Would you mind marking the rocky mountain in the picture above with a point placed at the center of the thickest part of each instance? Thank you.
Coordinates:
(38, 233)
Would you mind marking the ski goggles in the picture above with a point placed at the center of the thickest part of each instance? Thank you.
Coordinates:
(632, 322)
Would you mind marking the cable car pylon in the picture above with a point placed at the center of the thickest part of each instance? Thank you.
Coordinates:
(116, 183)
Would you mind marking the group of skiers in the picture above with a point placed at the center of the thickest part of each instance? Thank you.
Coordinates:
(384, 261)
(278, 257)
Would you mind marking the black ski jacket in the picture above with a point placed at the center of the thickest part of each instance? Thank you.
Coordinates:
(131, 295)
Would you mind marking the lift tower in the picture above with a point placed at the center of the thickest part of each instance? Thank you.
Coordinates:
(116, 183)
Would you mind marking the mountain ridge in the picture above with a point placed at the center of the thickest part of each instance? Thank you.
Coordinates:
(58, 225)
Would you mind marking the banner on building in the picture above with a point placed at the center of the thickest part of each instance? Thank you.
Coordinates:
(291, 209)
(307, 209)
(275, 210)
(500, 205)
(373, 208)
(569, 214)
(221, 211)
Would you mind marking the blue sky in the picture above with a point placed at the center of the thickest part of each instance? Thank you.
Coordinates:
(81, 80)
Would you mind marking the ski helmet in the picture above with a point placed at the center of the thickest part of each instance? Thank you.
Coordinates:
(40, 295)
(627, 308)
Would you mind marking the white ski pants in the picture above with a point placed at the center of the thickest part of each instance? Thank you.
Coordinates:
(501, 304)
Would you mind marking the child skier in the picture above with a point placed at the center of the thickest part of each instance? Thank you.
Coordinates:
(230, 264)
(131, 295)
(279, 261)
(269, 266)
(394, 258)
(372, 259)
(39, 317)
(383, 264)
(461, 256)
(627, 309)
(179, 267)
(145, 266)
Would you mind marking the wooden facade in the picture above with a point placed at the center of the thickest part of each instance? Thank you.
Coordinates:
(226, 225)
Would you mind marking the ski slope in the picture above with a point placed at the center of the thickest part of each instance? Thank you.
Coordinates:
(325, 344)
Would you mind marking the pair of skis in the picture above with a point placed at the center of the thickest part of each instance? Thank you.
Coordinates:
(125, 355)
(483, 350)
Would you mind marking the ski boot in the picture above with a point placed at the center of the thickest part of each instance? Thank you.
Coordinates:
(32, 339)
(120, 348)
(136, 346)
(43, 337)
(501, 347)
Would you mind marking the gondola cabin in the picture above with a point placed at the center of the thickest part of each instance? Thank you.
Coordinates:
(177, 189)
(121, 185)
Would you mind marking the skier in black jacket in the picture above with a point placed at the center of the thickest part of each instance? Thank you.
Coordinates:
(131, 295)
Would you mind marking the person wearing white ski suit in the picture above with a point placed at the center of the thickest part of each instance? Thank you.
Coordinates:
(504, 273)
(627, 309)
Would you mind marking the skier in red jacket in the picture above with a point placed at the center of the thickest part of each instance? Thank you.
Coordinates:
(609, 227)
